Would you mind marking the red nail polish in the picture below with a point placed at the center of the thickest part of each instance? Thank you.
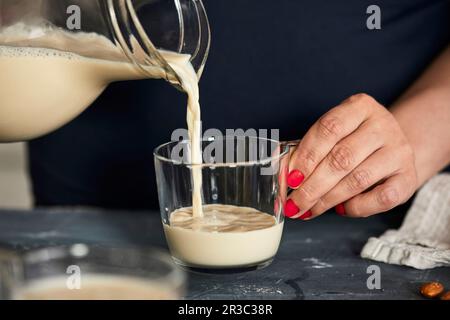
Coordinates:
(295, 178)
(340, 209)
(306, 215)
(290, 208)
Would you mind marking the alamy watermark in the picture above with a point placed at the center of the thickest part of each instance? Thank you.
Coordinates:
(74, 20)
(374, 280)
(73, 281)
(374, 20)
(231, 147)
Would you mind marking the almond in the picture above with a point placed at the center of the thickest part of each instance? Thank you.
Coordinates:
(431, 289)
(446, 296)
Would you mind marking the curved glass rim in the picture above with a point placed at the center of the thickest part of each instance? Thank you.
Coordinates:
(175, 277)
(282, 153)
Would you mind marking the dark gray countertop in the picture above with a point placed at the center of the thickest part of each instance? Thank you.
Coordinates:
(317, 259)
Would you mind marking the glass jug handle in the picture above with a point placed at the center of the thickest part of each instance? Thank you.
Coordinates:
(126, 24)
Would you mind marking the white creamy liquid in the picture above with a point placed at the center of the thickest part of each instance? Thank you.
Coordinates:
(96, 287)
(226, 236)
(42, 89)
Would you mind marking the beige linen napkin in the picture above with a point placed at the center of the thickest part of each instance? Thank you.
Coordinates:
(423, 240)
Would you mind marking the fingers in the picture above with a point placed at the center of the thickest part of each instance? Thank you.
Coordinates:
(343, 158)
(329, 130)
(393, 192)
(351, 149)
(367, 174)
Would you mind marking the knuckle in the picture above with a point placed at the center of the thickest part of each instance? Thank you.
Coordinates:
(377, 127)
(410, 185)
(306, 194)
(308, 158)
(361, 98)
(341, 158)
(408, 151)
(359, 180)
(311, 155)
(330, 126)
(367, 102)
(414, 181)
(388, 198)
(320, 206)
(353, 211)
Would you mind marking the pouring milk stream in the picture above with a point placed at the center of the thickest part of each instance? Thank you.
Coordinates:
(42, 89)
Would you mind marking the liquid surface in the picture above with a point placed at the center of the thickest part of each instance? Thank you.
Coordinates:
(226, 237)
(96, 287)
(222, 218)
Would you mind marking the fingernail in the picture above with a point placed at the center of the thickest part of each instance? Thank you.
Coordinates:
(306, 215)
(295, 178)
(290, 208)
(340, 209)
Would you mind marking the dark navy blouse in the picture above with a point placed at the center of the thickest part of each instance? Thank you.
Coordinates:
(273, 64)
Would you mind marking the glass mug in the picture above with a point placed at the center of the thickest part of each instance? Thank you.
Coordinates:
(243, 173)
(44, 83)
(83, 272)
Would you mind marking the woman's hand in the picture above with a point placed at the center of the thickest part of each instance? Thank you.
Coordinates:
(355, 158)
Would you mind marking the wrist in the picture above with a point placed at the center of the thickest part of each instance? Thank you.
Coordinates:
(424, 124)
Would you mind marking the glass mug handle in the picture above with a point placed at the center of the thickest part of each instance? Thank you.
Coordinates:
(285, 190)
(292, 143)
(289, 148)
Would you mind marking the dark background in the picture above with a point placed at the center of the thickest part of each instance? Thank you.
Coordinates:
(273, 64)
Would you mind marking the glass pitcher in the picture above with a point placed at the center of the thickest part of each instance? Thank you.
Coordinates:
(57, 56)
